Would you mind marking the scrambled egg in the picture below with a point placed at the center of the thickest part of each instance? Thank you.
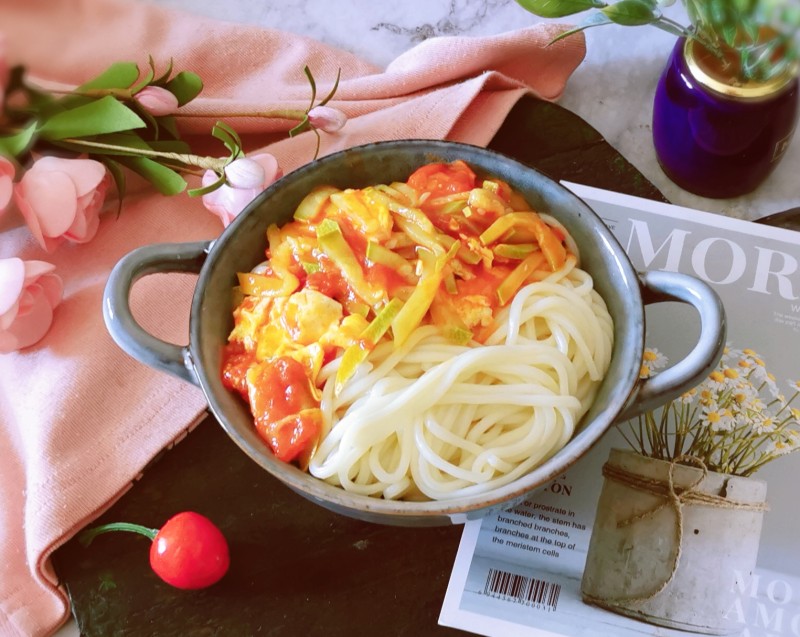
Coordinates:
(303, 326)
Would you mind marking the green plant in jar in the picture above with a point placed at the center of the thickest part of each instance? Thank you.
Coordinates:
(754, 40)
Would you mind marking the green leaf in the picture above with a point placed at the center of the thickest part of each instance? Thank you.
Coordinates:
(106, 115)
(15, 145)
(118, 75)
(149, 119)
(169, 124)
(165, 180)
(333, 90)
(302, 126)
(229, 137)
(145, 81)
(118, 175)
(164, 77)
(729, 33)
(311, 81)
(197, 192)
(185, 86)
(631, 13)
(559, 8)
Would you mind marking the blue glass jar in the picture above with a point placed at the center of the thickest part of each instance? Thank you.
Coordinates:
(716, 138)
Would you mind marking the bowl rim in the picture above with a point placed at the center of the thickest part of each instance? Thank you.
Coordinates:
(456, 508)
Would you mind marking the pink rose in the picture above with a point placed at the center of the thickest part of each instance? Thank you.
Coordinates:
(157, 101)
(6, 183)
(29, 291)
(61, 199)
(327, 119)
(246, 177)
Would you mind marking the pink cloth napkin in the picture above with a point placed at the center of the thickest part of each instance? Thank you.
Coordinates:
(79, 419)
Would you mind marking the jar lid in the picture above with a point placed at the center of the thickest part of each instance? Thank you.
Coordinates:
(703, 65)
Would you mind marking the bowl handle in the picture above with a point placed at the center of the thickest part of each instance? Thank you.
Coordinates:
(126, 332)
(682, 376)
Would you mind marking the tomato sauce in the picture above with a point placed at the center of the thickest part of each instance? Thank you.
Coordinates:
(443, 179)
(284, 406)
(235, 363)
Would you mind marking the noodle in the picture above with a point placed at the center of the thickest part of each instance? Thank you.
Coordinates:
(435, 420)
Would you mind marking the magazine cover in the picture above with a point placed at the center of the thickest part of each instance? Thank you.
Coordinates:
(529, 570)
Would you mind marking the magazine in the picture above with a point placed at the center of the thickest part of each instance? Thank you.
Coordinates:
(518, 571)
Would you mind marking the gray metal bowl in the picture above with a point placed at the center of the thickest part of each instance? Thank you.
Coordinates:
(241, 246)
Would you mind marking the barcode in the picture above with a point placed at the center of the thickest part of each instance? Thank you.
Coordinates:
(521, 589)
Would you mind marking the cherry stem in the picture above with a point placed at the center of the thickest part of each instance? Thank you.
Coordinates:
(86, 537)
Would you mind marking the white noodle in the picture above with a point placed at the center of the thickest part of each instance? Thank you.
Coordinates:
(433, 420)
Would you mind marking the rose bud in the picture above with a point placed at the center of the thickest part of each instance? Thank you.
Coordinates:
(229, 200)
(157, 101)
(326, 118)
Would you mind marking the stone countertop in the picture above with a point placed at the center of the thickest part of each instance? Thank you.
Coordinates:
(612, 89)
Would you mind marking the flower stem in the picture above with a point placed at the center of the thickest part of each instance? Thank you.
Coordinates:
(86, 537)
(208, 163)
(281, 113)
(120, 93)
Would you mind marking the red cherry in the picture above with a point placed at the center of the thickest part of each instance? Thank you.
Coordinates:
(188, 552)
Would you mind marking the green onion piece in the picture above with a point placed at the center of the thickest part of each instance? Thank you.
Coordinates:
(491, 186)
(310, 267)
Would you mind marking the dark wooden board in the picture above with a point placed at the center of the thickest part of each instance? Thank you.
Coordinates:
(297, 569)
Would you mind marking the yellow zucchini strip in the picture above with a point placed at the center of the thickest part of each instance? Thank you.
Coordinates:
(355, 354)
(554, 251)
(514, 250)
(313, 203)
(383, 256)
(335, 246)
(513, 282)
(261, 285)
(414, 310)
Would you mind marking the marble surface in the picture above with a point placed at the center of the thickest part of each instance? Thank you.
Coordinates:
(612, 89)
